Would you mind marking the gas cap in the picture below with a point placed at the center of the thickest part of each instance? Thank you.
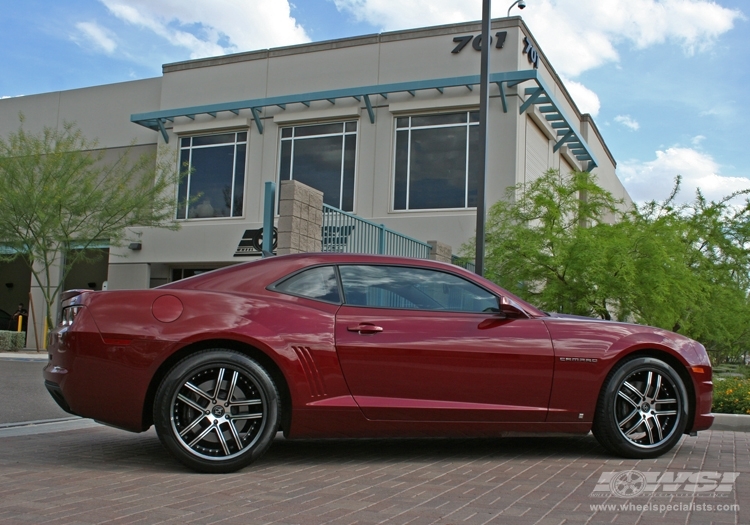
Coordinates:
(167, 308)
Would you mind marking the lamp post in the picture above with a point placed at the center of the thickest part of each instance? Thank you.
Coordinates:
(484, 98)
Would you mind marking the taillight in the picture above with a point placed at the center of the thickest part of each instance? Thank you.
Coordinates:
(69, 314)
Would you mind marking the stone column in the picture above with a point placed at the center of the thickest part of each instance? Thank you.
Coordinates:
(440, 251)
(300, 226)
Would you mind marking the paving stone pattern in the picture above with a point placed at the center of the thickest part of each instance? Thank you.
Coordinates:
(103, 475)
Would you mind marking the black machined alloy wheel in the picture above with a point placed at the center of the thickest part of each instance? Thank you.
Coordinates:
(217, 411)
(642, 409)
(646, 408)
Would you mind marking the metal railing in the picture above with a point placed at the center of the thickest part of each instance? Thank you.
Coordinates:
(346, 233)
(463, 263)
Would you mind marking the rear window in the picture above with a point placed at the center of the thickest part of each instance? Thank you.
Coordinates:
(318, 283)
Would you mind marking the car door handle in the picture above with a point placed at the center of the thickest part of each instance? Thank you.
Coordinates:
(365, 328)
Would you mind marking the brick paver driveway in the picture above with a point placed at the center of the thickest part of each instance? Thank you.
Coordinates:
(102, 475)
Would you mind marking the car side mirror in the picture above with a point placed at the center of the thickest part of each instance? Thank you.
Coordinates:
(510, 309)
(496, 310)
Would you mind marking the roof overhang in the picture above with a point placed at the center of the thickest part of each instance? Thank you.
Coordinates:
(541, 94)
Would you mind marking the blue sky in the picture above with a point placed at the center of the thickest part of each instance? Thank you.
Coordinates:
(666, 80)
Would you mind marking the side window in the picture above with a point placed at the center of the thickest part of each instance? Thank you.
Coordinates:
(316, 283)
(412, 288)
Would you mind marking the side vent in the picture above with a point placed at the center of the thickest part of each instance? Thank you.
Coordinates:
(317, 387)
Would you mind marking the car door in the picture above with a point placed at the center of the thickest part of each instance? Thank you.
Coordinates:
(424, 344)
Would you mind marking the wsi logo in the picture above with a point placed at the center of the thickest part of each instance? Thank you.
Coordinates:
(632, 483)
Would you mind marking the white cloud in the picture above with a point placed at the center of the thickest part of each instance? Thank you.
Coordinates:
(214, 27)
(726, 110)
(693, 24)
(628, 122)
(695, 141)
(576, 35)
(93, 33)
(586, 100)
(654, 179)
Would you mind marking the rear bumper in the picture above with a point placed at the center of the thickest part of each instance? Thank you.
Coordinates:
(56, 392)
(93, 379)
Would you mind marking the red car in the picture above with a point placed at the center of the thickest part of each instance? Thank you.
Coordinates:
(341, 345)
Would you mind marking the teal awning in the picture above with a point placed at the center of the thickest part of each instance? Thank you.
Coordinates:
(539, 94)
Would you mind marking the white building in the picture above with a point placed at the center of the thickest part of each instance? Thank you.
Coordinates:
(385, 125)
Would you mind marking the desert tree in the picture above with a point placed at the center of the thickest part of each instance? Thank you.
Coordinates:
(60, 197)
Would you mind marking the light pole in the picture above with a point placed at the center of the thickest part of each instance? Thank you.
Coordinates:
(484, 98)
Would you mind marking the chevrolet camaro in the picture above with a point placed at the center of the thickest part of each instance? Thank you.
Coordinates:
(343, 345)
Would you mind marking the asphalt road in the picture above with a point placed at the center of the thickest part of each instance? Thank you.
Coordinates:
(24, 396)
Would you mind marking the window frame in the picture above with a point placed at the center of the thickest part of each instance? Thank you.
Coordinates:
(344, 133)
(273, 287)
(188, 175)
(468, 124)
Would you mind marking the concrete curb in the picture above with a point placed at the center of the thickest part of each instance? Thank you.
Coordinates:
(23, 356)
(731, 422)
(31, 428)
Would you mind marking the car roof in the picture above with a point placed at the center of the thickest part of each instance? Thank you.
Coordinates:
(270, 269)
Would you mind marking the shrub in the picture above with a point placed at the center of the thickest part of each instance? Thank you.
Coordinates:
(11, 341)
(732, 396)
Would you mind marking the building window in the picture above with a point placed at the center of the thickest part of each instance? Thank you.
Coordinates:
(437, 161)
(215, 184)
(323, 157)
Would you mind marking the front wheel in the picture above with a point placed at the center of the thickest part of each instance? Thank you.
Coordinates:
(216, 411)
(642, 410)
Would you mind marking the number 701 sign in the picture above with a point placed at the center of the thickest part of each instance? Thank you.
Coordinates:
(499, 40)
(476, 41)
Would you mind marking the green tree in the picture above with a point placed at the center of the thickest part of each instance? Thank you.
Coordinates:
(539, 244)
(567, 245)
(59, 198)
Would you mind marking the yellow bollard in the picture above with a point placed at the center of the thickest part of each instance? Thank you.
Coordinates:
(20, 323)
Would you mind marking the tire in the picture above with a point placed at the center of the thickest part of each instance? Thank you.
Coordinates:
(217, 411)
(642, 409)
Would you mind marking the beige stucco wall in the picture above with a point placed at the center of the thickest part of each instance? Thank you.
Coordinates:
(104, 112)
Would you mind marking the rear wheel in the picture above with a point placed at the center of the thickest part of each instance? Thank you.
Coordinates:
(217, 411)
(642, 410)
